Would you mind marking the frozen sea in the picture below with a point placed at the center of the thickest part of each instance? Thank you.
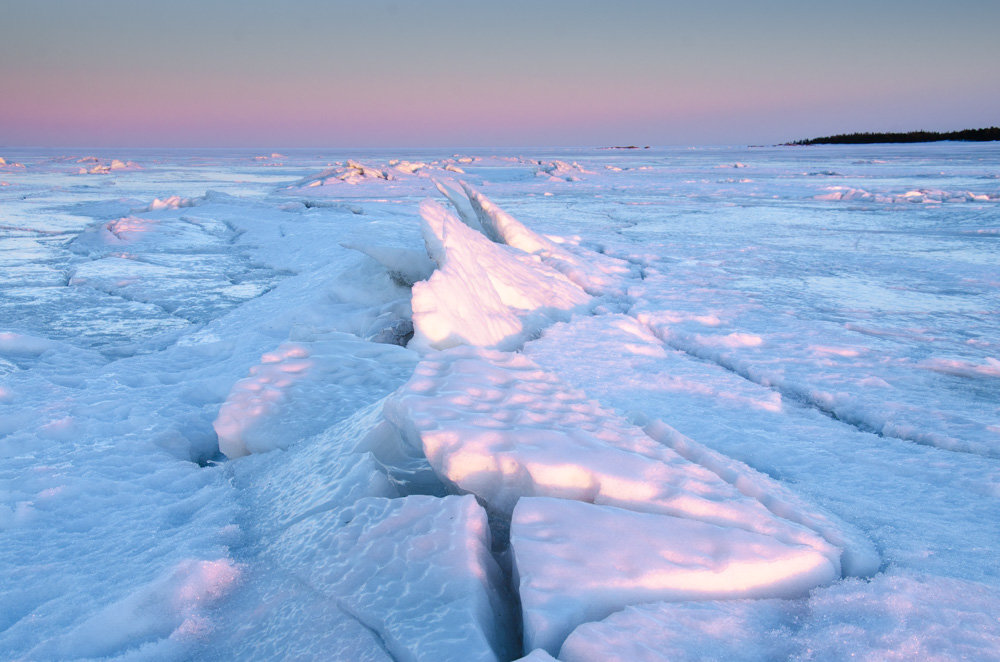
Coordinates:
(589, 404)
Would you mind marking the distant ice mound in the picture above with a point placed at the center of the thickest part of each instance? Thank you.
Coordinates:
(104, 168)
(561, 171)
(170, 202)
(924, 196)
(395, 170)
(351, 172)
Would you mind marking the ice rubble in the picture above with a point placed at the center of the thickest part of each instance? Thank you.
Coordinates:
(105, 168)
(547, 463)
(925, 196)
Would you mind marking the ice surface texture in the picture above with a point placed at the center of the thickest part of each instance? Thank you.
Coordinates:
(824, 316)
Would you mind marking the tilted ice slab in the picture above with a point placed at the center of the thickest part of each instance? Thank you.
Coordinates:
(496, 425)
(577, 562)
(483, 293)
(597, 274)
(460, 201)
(416, 570)
(277, 403)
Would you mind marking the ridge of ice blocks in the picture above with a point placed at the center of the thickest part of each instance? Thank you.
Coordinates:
(483, 293)
(578, 562)
(498, 426)
(300, 388)
(416, 571)
(595, 273)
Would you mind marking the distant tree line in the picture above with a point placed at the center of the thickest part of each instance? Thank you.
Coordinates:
(977, 135)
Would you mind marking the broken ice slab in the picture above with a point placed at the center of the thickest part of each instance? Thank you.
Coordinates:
(577, 562)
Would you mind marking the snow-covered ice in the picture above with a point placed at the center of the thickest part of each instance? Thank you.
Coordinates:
(684, 404)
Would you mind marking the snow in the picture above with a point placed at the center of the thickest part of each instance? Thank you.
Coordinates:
(538, 413)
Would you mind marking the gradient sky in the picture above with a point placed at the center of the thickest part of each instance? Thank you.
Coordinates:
(374, 73)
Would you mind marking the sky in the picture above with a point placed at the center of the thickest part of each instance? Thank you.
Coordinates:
(448, 73)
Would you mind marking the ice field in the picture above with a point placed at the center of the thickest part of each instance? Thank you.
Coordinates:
(586, 405)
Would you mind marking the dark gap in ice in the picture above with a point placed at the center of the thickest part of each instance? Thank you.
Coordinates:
(394, 331)
(208, 458)
(503, 555)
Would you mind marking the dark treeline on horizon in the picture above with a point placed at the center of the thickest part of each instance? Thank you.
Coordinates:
(977, 135)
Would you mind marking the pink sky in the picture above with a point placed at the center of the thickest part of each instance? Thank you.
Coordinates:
(312, 73)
